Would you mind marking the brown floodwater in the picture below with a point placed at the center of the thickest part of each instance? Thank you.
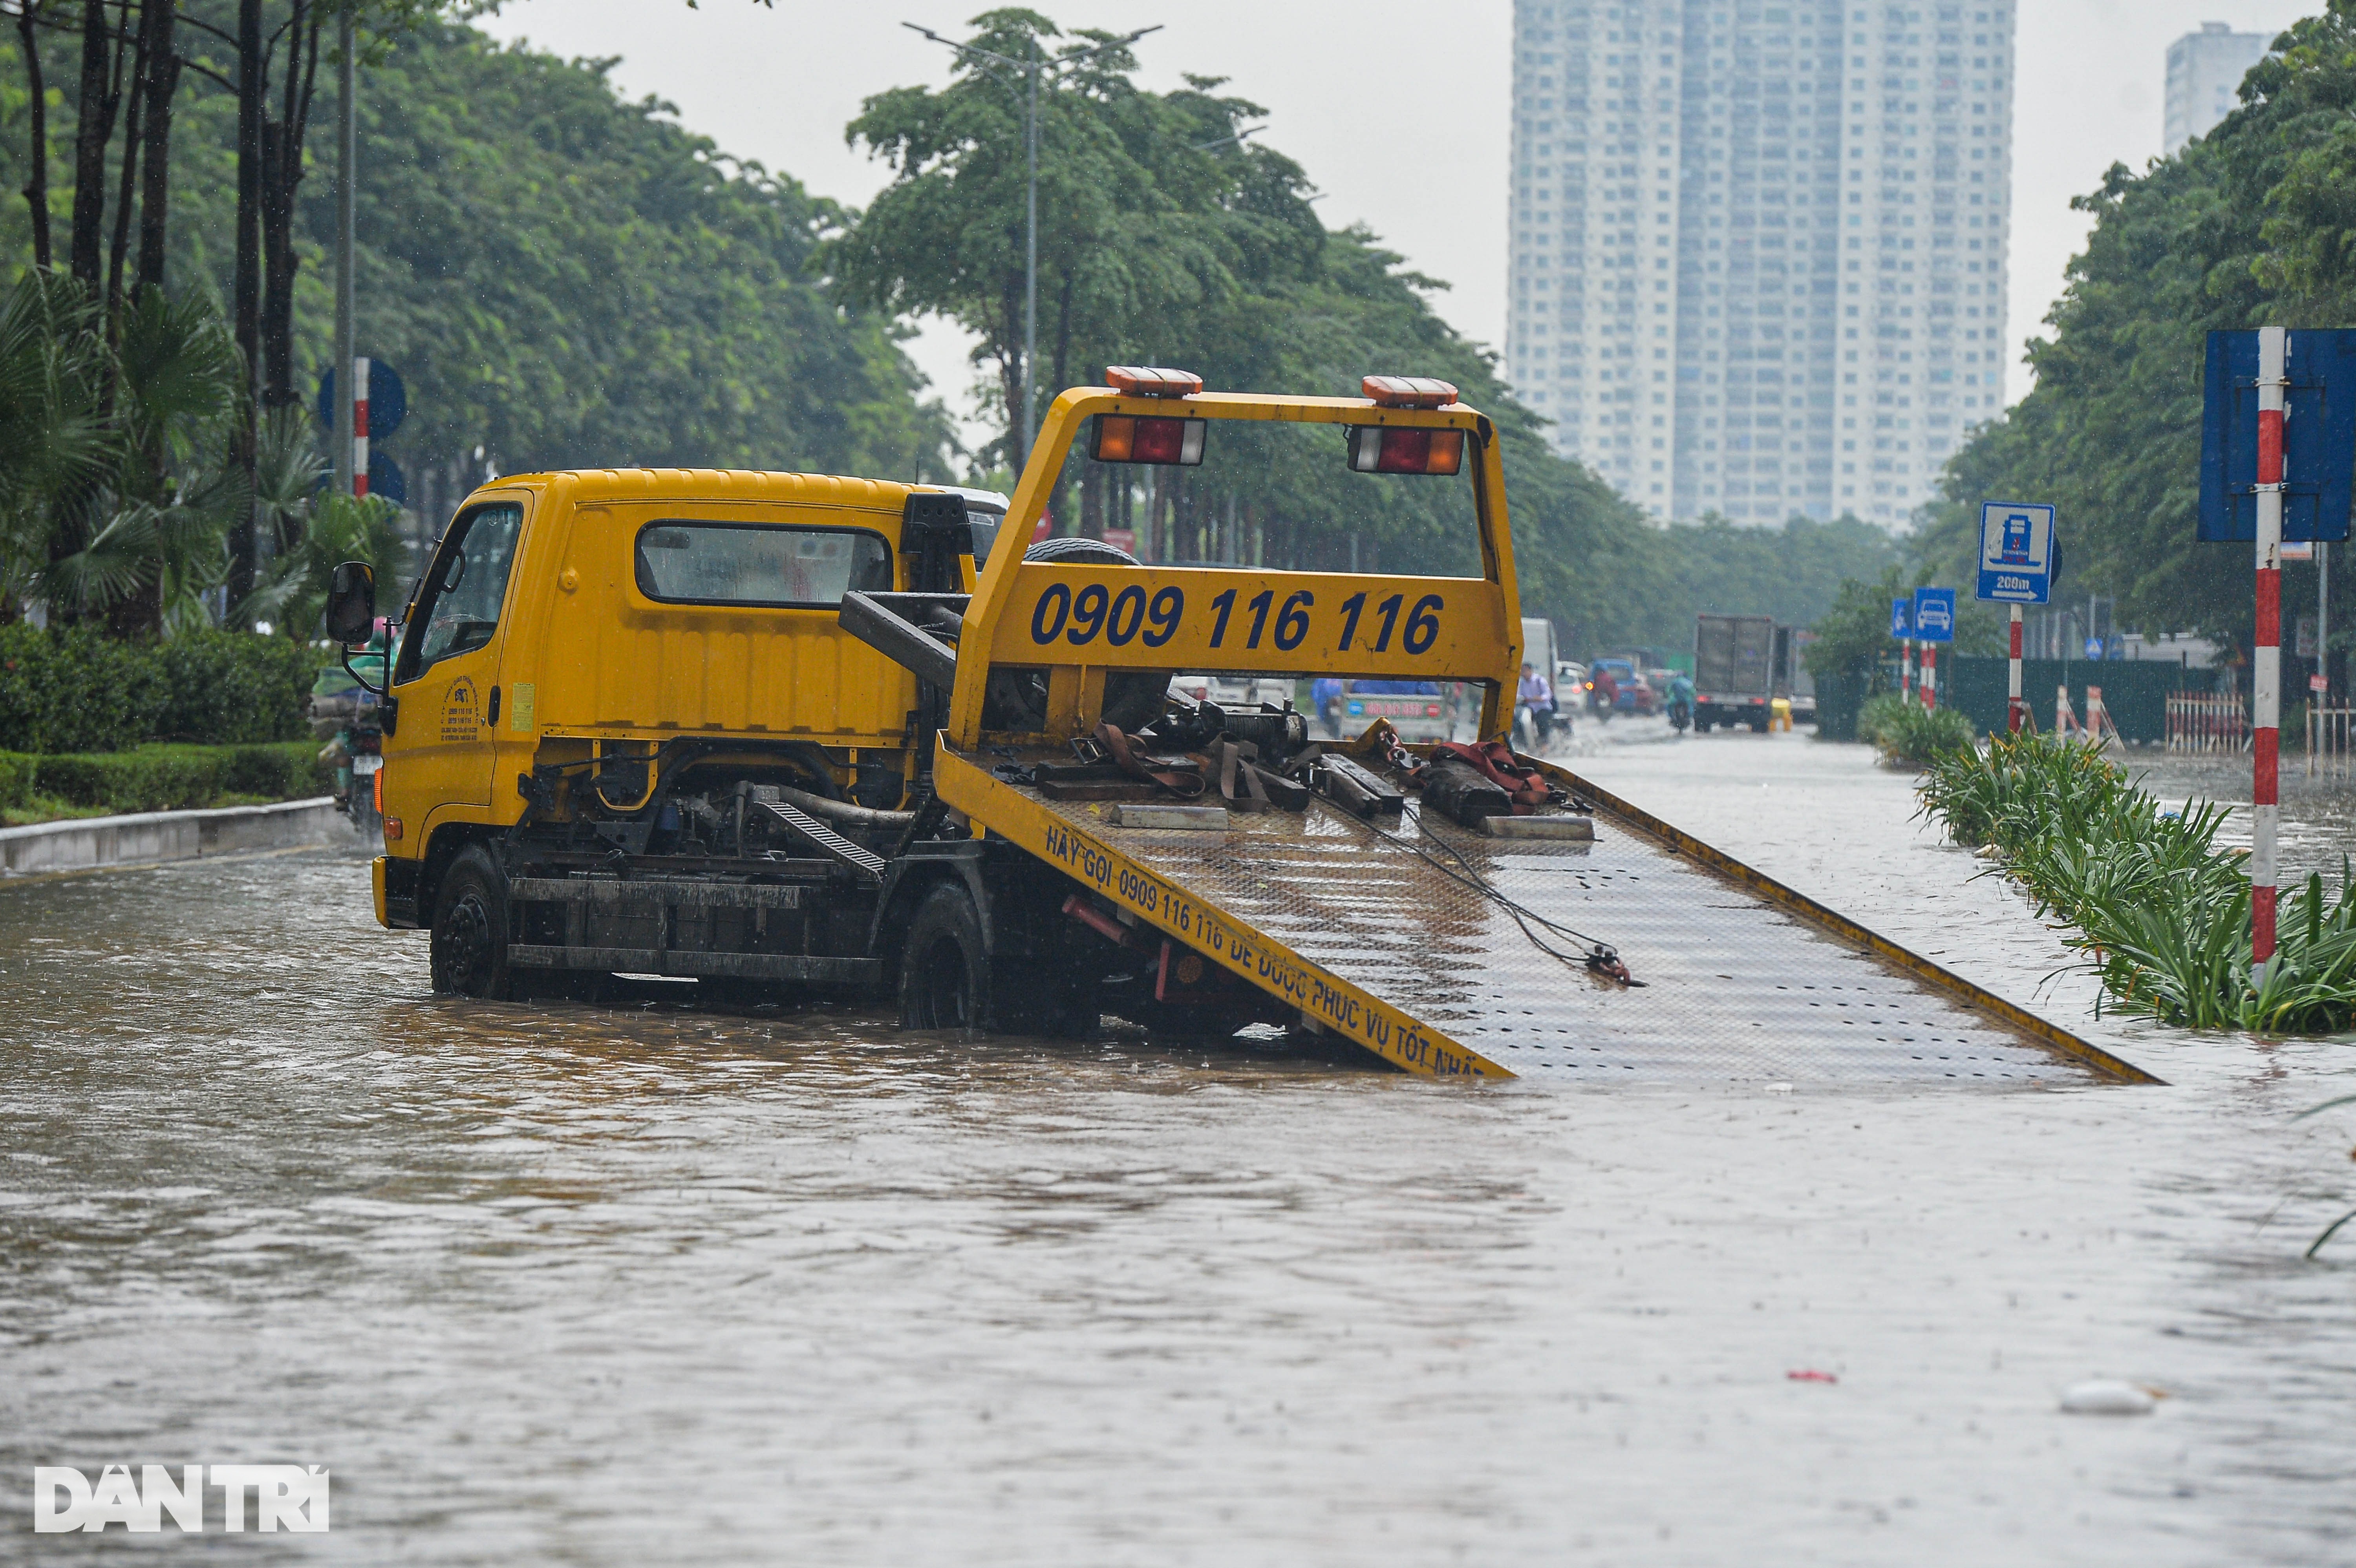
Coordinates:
(644, 1285)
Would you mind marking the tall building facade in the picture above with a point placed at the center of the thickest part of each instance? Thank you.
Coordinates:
(1758, 249)
(2204, 73)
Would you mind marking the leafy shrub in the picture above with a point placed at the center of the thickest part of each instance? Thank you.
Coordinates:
(224, 688)
(79, 691)
(1909, 734)
(2160, 911)
(15, 780)
(176, 778)
(76, 690)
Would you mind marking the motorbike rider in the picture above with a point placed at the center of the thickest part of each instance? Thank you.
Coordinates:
(1605, 694)
(1537, 694)
(1681, 699)
(1325, 697)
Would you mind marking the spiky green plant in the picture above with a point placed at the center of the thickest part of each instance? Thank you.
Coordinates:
(2158, 911)
(1906, 732)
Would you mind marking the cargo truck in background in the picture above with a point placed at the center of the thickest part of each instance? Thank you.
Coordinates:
(1734, 670)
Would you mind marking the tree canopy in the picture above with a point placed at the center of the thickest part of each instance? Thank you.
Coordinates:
(2251, 225)
(564, 277)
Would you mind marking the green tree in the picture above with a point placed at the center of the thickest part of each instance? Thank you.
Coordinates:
(114, 498)
(2248, 225)
(1150, 204)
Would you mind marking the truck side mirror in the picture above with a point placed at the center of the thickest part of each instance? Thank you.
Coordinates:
(351, 605)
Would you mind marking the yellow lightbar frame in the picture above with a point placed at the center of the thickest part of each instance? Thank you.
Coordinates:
(1253, 619)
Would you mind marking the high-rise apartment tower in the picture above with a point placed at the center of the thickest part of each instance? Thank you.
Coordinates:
(2204, 71)
(1758, 261)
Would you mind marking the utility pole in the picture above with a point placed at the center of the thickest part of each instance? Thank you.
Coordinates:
(1031, 69)
(347, 158)
(2323, 624)
(1030, 254)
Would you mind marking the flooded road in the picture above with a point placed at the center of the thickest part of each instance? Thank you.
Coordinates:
(641, 1285)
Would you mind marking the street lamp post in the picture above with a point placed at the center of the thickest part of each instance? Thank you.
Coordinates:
(1031, 69)
(346, 158)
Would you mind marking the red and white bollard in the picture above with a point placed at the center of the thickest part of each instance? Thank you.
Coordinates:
(1906, 668)
(2265, 674)
(359, 426)
(2015, 711)
(1930, 674)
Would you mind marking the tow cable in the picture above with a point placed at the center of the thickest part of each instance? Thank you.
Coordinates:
(1600, 957)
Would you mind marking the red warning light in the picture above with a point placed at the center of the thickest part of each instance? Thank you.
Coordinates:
(1402, 449)
(1131, 438)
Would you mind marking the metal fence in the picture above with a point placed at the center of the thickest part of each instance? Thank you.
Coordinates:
(2208, 721)
(2329, 734)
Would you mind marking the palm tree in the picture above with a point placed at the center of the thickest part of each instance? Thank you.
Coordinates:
(108, 504)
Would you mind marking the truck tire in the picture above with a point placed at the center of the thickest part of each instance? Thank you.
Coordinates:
(1017, 699)
(470, 928)
(944, 965)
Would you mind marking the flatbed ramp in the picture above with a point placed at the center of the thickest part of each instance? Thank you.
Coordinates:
(1382, 933)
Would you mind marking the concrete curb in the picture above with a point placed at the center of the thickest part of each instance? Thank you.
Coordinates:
(151, 836)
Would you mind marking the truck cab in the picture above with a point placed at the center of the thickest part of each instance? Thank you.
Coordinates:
(596, 665)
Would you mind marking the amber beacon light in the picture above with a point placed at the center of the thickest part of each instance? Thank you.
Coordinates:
(1152, 381)
(1407, 391)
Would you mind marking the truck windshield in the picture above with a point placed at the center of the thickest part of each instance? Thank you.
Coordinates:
(745, 563)
(458, 608)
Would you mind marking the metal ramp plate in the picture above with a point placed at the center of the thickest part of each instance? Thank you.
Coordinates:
(1372, 938)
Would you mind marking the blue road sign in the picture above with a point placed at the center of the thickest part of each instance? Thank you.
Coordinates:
(385, 477)
(388, 400)
(1935, 614)
(1901, 618)
(2016, 553)
(2319, 436)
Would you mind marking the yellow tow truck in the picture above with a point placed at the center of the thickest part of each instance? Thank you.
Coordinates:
(788, 734)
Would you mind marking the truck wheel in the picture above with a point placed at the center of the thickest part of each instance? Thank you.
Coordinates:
(944, 970)
(470, 928)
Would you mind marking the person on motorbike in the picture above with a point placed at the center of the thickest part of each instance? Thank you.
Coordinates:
(1325, 695)
(1537, 694)
(1604, 694)
(1681, 700)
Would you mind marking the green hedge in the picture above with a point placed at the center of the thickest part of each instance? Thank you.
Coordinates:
(176, 778)
(15, 780)
(78, 690)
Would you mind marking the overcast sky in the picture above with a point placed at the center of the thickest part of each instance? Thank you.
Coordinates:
(1396, 108)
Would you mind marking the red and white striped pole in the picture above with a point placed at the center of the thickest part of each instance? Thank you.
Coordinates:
(1930, 674)
(2014, 709)
(2265, 674)
(359, 426)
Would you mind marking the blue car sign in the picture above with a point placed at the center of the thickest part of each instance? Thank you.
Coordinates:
(1935, 614)
(2016, 552)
